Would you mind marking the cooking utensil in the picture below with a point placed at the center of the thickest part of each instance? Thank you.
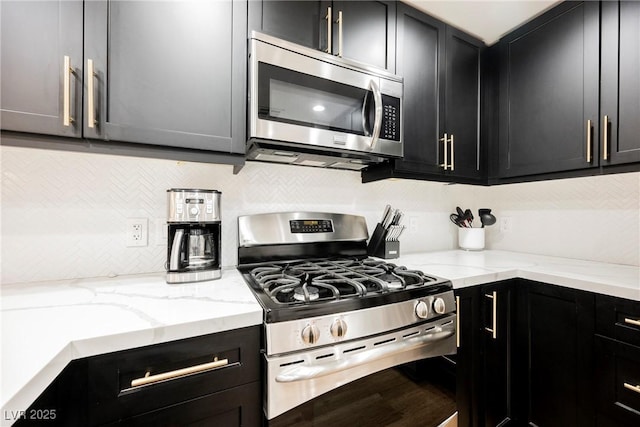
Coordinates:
(486, 217)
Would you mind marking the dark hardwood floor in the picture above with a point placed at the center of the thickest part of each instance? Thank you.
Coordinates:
(388, 398)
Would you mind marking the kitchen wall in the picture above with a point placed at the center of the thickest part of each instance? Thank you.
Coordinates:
(63, 214)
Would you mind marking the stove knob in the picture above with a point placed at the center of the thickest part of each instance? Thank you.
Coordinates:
(422, 310)
(310, 334)
(338, 328)
(439, 306)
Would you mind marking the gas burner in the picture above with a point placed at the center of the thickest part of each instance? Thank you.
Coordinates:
(306, 293)
(311, 282)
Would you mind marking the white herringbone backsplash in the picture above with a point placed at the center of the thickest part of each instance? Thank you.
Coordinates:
(63, 214)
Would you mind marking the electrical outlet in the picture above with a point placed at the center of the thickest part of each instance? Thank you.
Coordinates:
(137, 232)
(413, 223)
(506, 224)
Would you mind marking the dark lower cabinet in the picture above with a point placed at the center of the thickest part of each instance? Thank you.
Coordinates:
(104, 390)
(467, 357)
(559, 355)
(617, 360)
(483, 362)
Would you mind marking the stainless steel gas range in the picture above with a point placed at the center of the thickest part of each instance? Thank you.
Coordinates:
(332, 314)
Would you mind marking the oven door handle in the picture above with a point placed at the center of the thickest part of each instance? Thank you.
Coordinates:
(302, 372)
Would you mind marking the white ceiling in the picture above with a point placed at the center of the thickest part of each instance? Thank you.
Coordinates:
(488, 20)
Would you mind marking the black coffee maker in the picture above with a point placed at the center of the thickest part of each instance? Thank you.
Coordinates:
(193, 247)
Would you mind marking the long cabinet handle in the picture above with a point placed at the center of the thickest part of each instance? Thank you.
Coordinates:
(633, 322)
(66, 95)
(445, 140)
(91, 112)
(329, 22)
(150, 379)
(457, 321)
(340, 21)
(494, 329)
(631, 387)
(605, 138)
(589, 141)
(452, 162)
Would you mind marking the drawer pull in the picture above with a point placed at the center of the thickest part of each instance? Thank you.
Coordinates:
(149, 379)
(633, 322)
(635, 388)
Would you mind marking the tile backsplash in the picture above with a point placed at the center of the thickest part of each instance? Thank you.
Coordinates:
(63, 214)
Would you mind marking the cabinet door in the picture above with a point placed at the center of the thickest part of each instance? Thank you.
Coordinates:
(462, 103)
(166, 73)
(41, 91)
(560, 356)
(620, 82)
(368, 32)
(420, 62)
(496, 303)
(549, 92)
(301, 22)
(467, 358)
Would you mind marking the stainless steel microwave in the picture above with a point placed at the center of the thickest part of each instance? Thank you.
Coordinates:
(311, 108)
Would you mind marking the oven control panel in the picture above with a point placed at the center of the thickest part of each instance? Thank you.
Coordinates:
(311, 226)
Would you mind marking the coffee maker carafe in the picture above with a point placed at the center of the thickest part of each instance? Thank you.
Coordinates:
(193, 247)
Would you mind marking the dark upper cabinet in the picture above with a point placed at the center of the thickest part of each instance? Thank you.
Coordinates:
(41, 67)
(441, 132)
(166, 73)
(620, 83)
(549, 92)
(360, 30)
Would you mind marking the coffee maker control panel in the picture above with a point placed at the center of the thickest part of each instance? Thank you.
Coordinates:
(189, 205)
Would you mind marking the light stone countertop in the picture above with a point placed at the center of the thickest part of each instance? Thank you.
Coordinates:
(46, 325)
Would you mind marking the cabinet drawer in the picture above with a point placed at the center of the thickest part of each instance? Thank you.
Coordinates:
(617, 383)
(187, 365)
(618, 318)
(239, 406)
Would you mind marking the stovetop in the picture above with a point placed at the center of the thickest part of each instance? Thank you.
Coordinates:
(298, 289)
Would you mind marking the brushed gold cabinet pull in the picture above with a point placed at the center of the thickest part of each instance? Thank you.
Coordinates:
(329, 22)
(451, 141)
(150, 379)
(494, 329)
(633, 322)
(635, 388)
(445, 140)
(458, 322)
(91, 113)
(589, 141)
(66, 96)
(605, 138)
(340, 21)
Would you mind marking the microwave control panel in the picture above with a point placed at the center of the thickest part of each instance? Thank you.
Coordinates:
(390, 118)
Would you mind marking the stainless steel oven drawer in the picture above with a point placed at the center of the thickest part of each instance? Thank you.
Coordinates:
(132, 382)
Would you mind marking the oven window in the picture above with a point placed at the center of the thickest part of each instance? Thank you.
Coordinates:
(291, 97)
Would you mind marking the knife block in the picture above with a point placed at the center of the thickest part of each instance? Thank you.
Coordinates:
(380, 248)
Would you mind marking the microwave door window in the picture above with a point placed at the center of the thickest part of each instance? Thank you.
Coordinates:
(297, 98)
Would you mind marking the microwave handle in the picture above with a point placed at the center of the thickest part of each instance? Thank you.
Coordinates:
(377, 122)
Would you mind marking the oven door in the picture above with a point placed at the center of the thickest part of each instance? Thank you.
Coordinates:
(304, 100)
(293, 379)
